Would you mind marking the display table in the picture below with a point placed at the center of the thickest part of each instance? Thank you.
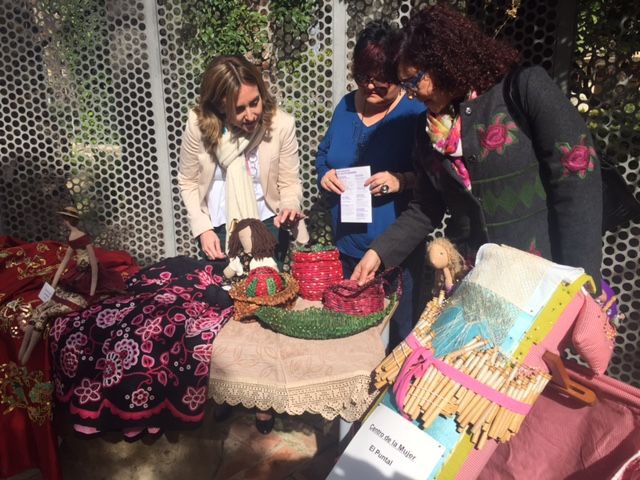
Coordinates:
(256, 367)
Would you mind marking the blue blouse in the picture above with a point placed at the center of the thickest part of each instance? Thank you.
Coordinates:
(386, 145)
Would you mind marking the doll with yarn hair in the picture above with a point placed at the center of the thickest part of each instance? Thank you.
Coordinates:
(251, 245)
(449, 265)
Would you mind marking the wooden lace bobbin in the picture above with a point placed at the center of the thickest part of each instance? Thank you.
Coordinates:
(448, 388)
(419, 390)
(489, 378)
(466, 363)
(388, 370)
(481, 376)
(527, 396)
(488, 415)
(481, 428)
(475, 344)
(522, 391)
(438, 399)
(472, 370)
(469, 398)
(481, 360)
(481, 403)
(506, 417)
(512, 392)
(445, 389)
(498, 383)
(532, 394)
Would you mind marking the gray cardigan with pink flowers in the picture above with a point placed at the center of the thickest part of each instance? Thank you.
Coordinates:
(540, 192)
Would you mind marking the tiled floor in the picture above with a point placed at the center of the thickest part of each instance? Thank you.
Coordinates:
(298, 448)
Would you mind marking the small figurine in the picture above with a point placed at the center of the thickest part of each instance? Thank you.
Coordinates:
(87, 279)
(448, 263)
(251, 245)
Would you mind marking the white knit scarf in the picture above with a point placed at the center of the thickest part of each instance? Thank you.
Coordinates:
(231, 152)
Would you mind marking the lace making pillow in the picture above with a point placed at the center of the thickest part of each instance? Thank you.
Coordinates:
(593, 336)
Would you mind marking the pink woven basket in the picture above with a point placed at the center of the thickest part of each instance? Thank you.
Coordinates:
(350, 298)
(316, 271)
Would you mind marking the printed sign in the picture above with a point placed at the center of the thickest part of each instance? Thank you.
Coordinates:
(388, 446)
(46, 292)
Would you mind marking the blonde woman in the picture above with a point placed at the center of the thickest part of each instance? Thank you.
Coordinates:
(239, 159)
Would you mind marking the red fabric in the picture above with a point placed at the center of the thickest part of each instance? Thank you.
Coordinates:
(561, 439)
(80, 242)
(23, 269)
(114, 267)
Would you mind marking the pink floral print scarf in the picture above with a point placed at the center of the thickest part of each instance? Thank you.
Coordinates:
(444, 132)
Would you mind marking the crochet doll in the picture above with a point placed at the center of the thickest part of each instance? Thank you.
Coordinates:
(448, 263)
(251, 245)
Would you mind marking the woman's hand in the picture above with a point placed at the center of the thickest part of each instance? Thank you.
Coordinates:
(288, 218)
(393, 182)
(366, 268)
(331, 183)
(210, 244)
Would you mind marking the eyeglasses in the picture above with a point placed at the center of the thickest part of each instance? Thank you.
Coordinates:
(364, 80)
(410, 85)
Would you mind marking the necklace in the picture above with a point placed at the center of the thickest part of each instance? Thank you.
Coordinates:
(362, 116)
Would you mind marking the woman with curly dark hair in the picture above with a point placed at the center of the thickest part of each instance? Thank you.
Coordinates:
(505, 152)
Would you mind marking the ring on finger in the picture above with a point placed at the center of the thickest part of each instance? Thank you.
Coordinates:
(384, 189)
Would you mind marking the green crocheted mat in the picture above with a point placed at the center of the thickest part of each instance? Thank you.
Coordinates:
(318, 323)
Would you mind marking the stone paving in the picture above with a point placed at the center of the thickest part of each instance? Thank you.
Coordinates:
(298, 448)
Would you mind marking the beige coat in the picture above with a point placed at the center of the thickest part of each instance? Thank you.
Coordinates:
(279, 172)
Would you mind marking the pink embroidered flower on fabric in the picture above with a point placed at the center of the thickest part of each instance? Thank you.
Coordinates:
(87, 391)
(194, 397)
(140, 397)
(59, 327)
(111, 367)
(129, 352)
(207, 277)
(150, 329)
(496, 136)
(107, 318)
(69, 361)
(78, 340)
(578, 159)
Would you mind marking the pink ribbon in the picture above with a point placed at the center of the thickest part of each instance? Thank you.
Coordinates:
(416, 365)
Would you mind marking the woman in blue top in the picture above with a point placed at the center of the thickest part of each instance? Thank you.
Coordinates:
(375, 126)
